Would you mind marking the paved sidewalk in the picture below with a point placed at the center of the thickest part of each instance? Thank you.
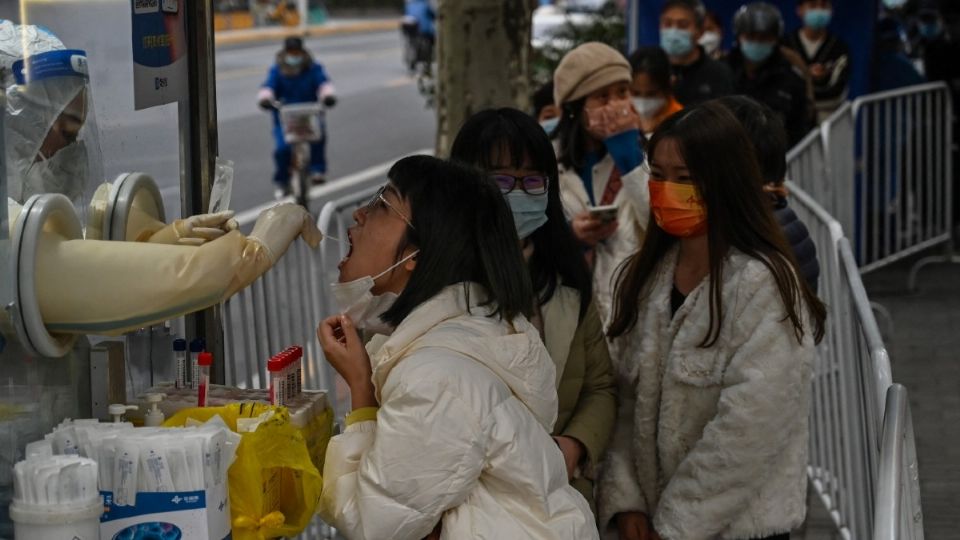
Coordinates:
(329, 28)
(924, 347)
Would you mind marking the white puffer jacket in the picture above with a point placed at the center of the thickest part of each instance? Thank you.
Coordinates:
(711, 442)
(633, 212)
(466, 406)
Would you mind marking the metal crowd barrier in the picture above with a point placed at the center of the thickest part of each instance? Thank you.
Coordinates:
(904, 177)
(286, 304)
(851, 381)
(882, 167)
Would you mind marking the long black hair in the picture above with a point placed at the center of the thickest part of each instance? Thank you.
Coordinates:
(724, 169)
(465, 233)
(654, 62)
(766, 132)
(571, 137)
(497, 138)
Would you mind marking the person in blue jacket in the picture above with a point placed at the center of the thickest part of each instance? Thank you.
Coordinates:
(295, 78)
(424, 36)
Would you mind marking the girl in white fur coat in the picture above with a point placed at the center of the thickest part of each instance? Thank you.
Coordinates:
(712, 342)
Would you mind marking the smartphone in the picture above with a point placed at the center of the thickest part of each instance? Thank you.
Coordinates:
(605, 214)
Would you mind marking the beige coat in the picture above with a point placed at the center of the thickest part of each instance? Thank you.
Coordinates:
(711, 442)
(633, 201)
(462, 435)
(586, 388)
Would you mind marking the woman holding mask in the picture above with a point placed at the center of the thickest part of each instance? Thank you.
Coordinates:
(715, 337)
(652, 94)
(514, 150)
(598, 147)
(451, 411)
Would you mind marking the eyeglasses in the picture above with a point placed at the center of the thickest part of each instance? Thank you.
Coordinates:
(535, 184)
(379, 202)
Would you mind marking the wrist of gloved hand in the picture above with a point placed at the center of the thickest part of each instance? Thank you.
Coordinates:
(329, 101)
(625, 150)
(277, 227)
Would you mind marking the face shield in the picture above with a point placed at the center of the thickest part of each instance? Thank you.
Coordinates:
(51, 137)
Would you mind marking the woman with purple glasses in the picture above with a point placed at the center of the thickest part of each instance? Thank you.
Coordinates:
(517, 155)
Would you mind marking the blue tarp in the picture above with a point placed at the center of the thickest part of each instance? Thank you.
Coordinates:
(853, 21)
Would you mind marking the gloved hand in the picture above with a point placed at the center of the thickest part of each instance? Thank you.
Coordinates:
(278, 227)
(329, 101)
(267, 105)
(196, 230)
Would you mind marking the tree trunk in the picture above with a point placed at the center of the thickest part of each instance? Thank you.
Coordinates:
(483, 61)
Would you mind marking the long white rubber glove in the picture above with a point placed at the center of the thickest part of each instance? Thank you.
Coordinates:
(195, 230)
(89, 286)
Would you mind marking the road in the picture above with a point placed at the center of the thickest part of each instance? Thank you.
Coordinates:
(379, 116)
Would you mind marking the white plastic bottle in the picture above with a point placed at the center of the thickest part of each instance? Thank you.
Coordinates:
(154, 416)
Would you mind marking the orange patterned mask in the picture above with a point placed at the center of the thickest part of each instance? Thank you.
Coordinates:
(678, 208)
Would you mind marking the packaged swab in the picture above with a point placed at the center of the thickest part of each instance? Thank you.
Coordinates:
(125, 473)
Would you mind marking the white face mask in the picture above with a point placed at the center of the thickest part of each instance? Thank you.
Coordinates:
(356, 300)
(648, 107)
(710, 42)
(65, 172)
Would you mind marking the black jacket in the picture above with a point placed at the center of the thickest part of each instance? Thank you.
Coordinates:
(778, 85)
(702, 80)
(835, 58)
(799, 238)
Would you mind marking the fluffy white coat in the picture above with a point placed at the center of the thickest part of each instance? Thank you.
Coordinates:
(711, 442)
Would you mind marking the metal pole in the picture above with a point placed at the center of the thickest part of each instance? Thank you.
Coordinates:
(198, 151)
(304, 10)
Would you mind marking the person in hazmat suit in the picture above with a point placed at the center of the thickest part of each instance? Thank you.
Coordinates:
(108, 287)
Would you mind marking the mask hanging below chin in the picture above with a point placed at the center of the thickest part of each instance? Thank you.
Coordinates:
(357, 301)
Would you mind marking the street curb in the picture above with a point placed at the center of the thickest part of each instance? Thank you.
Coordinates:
(228, 37)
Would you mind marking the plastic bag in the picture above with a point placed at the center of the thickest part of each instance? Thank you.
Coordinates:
(274, 484)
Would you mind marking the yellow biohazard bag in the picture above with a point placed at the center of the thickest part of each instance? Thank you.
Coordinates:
(275, 480)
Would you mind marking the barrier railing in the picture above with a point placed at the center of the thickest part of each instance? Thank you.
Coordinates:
(850, 383)
(904, 174)
(898, 488)
(286, 304)
(882, 167)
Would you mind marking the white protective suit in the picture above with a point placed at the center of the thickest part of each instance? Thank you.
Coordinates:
(47, 80)
(91, 286)
(711, 442)
(462, 435)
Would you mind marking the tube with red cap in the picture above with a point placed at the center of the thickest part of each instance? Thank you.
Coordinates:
(290, 373)
(204, 361)
(277, 381)
(298, 355)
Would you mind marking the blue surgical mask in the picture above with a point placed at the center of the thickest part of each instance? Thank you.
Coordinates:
(930, 30)
(529, 211)
(550, 125)
(293, 60)
(676, 42)
(756, 51)
(817, 18)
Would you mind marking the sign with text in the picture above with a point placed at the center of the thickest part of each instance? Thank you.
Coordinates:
(159, 52)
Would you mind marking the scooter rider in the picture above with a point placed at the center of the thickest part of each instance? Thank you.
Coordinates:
(295, 78)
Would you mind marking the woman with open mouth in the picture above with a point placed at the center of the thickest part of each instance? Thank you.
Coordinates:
(454, 399)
